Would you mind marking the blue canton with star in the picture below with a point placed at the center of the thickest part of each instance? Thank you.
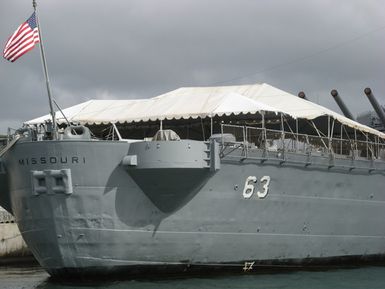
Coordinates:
(32, 21)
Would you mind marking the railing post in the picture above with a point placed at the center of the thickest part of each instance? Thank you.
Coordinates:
(377, 146)
(8, 135)
(352, 149)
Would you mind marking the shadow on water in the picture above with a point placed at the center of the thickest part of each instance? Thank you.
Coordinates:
(353, 278)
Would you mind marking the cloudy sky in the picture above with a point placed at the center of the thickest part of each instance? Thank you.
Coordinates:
(121, 49)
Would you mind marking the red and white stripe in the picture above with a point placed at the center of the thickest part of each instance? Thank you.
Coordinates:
(22, 41)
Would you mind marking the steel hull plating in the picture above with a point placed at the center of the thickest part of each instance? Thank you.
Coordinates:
(311, 213)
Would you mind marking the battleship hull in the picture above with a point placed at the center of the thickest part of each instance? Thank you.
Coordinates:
(87, 207)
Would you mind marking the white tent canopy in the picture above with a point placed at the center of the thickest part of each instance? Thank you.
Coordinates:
(167, 106)
(194, 102)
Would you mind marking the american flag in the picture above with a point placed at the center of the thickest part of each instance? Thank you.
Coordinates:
(23, 40)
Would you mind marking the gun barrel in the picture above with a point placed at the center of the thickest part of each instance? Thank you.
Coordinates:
(377, 107)
(302, 95)
(341, 104)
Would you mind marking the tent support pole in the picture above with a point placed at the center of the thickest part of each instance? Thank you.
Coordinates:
(263, 132)
(211, 125)
(203, 130)
(283, 133)
(296, 133)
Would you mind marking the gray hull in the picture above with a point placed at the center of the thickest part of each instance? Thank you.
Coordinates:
(102, 215)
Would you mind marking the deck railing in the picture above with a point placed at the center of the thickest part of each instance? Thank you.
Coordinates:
(250, 138)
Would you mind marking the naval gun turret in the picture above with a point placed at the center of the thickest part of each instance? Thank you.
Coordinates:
(341, 104)
(372, 118)
(377, 107)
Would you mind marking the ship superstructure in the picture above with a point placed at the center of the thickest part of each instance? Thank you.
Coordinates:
(198, 178)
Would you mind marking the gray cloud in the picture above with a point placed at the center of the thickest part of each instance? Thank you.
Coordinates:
(137, 49)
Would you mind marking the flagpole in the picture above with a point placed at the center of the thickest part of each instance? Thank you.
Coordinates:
(45, 72)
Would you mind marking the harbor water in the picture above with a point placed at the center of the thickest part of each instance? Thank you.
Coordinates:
(364, 277)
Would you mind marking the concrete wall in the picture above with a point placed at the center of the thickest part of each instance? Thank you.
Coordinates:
(12, 245)
(11, 242)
